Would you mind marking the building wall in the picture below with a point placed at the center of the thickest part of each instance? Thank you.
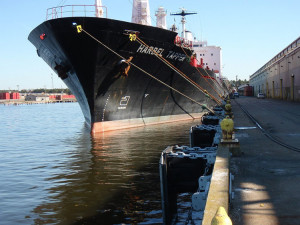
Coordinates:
(38, 98)
(42, 98)
(280, 77)
(30, 98)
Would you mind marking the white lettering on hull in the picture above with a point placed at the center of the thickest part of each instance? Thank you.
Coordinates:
(176, 56)
(123, 102)
(151, 50)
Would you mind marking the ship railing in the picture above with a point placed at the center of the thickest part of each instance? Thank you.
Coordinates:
(183, 42)
(76, 11)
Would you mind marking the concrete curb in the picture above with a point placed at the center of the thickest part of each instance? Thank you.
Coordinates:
(218, 195)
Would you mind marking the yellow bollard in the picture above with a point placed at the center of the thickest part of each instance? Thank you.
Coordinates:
(221, 218)
(228, 108)
(227, 127)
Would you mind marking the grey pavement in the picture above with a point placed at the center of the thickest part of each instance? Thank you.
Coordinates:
(267, 175)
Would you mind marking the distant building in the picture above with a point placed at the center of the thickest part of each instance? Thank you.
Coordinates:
(5, 96)
(245, 90)
(37, 98)
(9, 95)
(62, 97)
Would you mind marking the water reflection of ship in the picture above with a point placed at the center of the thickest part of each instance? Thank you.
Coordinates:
(161, 85)
(111, 179)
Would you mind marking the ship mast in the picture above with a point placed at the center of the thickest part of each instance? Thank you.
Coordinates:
(183, 13)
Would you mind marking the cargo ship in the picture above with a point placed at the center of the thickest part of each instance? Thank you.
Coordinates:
(125, 74)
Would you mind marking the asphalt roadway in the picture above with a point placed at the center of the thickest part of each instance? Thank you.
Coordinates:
(267, 174)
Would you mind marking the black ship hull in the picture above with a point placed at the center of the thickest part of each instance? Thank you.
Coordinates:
(110, 99)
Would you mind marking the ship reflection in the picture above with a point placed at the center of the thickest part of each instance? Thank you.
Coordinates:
(112, 178)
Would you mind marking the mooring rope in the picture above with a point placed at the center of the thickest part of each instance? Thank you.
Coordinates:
(80, 29)
(205, 92)
(206, 78)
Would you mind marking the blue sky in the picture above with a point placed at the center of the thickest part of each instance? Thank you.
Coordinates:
(250, 32)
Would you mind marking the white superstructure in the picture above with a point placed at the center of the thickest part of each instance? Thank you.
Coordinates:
(99, 9)
(161, 18)
(211, 56)
(141, 12)
(189, 36)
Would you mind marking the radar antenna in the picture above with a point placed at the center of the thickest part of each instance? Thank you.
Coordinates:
(183, 13)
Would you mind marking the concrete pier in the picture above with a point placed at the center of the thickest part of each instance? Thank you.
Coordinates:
(218, 195)
(267, 175)
(267, 169)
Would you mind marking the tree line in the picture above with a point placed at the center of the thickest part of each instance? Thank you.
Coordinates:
(239, 82)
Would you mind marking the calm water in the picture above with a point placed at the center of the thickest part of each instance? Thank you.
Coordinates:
(53, 172)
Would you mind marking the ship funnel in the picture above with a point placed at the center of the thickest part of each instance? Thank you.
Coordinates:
(99, 10)
(141, 12)
(161, 18)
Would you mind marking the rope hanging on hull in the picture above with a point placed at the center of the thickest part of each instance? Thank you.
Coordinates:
(206, 78)
(180, 72)
(80, 29)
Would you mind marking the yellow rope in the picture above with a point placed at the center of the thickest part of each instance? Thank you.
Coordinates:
(179, 72)
(205, 77)
(80, 29)
(218, 85)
